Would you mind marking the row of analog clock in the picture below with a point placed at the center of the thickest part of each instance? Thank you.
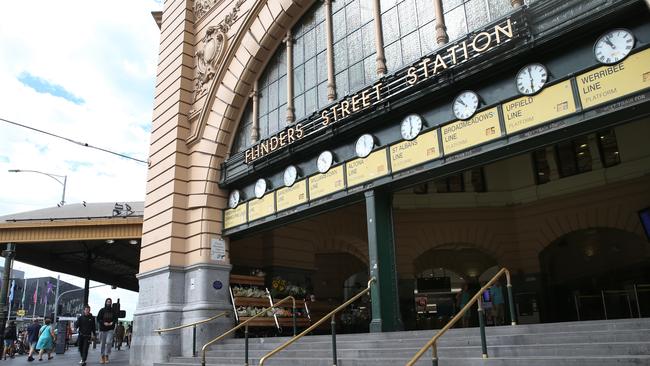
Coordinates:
(610, 48)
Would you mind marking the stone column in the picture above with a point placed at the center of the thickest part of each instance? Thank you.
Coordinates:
(291, 116)
(381, 252)
(441, 28)
(331, 82)
(379, 39)
(255, 129)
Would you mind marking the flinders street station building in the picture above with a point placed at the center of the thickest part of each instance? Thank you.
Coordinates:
(317, 148)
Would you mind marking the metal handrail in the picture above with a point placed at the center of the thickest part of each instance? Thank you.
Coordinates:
(476, 298)
(193, 325)
(245, 323)
(319, 322)
(163, 330)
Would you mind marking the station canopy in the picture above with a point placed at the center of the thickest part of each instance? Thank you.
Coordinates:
(98, 241)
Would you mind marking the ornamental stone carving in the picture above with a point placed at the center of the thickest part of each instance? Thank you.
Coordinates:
(201, 7)
(212, 49)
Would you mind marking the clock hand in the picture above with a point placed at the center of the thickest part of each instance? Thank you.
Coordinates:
(609, 42)
(461, 102)
(530, 75)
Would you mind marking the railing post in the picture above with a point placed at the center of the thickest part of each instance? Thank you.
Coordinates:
(602, 296)
(576, 299)
(511, 303)
(294, 320)
(636, 297)
(246, 345)
(194, 341)
(481, 323)
(333, 325)
(434, 355)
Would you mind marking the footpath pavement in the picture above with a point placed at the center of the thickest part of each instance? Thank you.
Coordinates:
(71, 358)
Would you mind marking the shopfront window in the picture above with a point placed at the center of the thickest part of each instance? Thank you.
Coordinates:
(542, 169)
(573, 157)
(608, 148)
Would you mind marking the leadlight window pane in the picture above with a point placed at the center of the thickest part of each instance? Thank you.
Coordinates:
(322, 66)
(367, 11)
(319, 13)
(385, 5)
(428, 38)
(609, 153)
(456, 23)
(393, 56)
(425, 11)
(499, 8)
(282, 61)
(273, 95)
(476, 13)
(310, 44)
(338, 22)
(370, 68)
(354, 47)
(368, 39)
(311, 101)
(263, 102)
(353, 15)
(282, 117)
(337, 4)
(408, 20)
(310, 73)
(321, 38)
(542, 169)
(340, 56)
(342, 86)
(299, 104)
(390, 25)
(299, 79)
(357, 77)
(448, 5)
(273, 122)
(282, 89)
(298, 51)
(411, 48)
(264, 126)
(322, 95)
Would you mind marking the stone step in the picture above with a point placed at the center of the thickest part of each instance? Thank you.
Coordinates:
(640, 335)
(560, 349)
(426, 361)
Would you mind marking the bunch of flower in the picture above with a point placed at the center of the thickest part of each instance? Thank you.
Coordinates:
(239, 291)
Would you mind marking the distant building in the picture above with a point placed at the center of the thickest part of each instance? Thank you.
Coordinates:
(37, 296)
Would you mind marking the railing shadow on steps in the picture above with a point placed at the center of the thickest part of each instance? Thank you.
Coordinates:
(315, 325)
(245, 324)
(476, 299)
(193, 325)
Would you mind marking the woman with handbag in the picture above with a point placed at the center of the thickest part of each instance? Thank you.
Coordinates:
(46, 339)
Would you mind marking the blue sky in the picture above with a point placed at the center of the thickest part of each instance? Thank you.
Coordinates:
(83, 69)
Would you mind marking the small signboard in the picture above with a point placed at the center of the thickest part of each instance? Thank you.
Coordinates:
(323, 184)
(462, 135)
(526, 112)
(371, 167)
(261, 207)
(295, 195)
(235, 216)
(409, 153)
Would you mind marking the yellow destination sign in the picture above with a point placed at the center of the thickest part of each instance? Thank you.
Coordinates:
(323, 184)
(409, 153)
(362, 170)
(610, 82)
(261, 207)
(525, 112)
(461, 135)
(295, 195)
(235, 216)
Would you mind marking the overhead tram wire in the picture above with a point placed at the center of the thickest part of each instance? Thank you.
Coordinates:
(84, 144)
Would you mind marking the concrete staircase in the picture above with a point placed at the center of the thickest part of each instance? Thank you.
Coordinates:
(594, 343)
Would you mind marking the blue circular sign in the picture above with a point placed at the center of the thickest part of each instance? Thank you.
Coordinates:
(217, 285)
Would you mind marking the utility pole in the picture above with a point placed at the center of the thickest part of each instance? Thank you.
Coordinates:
(9, 257)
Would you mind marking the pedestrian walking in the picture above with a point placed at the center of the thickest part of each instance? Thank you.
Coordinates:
(119, 335)
(107, 318)
(498, 304)
(32, 337)
(10, 338)
(86, 331)
(462, 299)
(129, 335)
(46, 339)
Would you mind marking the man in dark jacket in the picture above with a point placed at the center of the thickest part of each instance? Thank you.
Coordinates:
(32, 338)
(106, 319)
(10, 339)
(85, 326)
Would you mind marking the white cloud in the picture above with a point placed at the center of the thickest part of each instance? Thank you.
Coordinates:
(106, 54)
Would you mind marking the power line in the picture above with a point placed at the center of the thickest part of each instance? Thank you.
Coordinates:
(84, 144)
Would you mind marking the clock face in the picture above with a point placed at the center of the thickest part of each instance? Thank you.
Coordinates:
(260, 187)
(411, 126)
(613, 46)
(234, 198)
(531, 79)
(325, 160)
(364, 145)
(465, 105)
(290, 175)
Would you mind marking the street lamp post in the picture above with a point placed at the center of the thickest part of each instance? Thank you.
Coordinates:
(53, 176)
